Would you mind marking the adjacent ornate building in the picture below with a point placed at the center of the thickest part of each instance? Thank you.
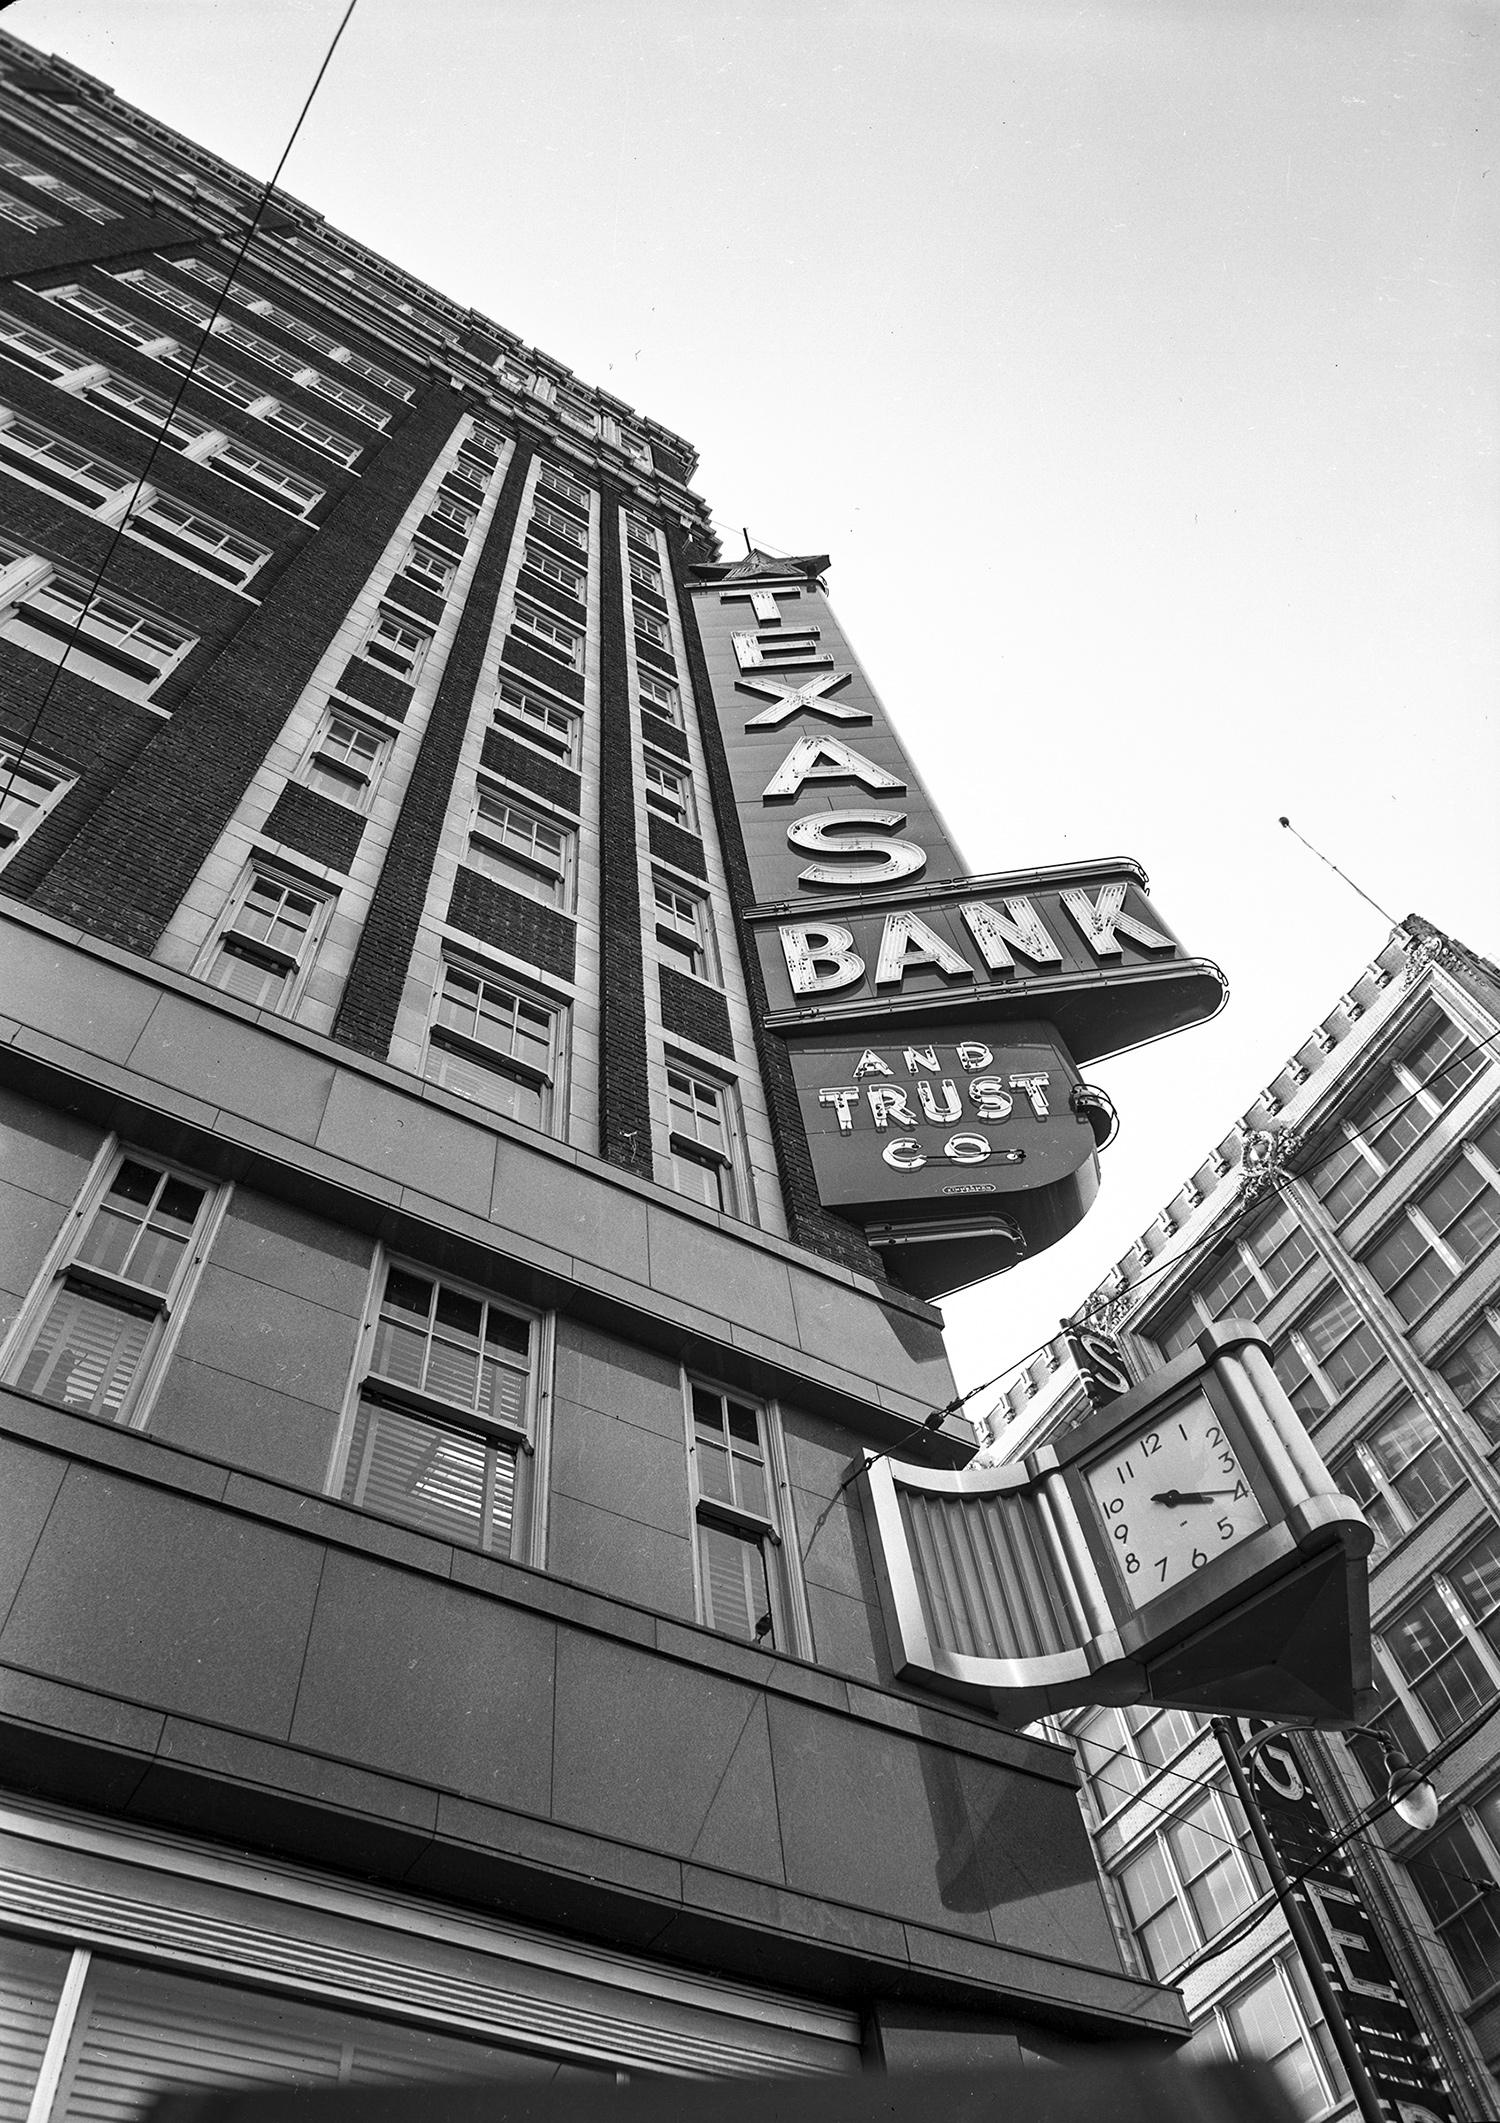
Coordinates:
(437, 1633)
(1354, 1214)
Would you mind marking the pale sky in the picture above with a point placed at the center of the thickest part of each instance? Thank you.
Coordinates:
(1135, 363)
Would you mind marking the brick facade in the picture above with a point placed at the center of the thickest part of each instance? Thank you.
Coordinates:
(367, 1013)
(624, 1077)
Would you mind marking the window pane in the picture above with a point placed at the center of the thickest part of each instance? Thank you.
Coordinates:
(1473, 1372)
(1266, 2024)
(466, 1077)
(1386, 1520)
(87, 1353)
(446, 1481)
(1342, 1180)
(1452, 1877)
(737, 1593)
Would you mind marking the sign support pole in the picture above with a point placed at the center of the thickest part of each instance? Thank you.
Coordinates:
(1366, 2099)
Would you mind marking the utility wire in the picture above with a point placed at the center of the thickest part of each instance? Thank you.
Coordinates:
(165, 429)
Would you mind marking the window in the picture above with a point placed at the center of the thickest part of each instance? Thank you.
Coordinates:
(108, 316)
(1277, 2019)
(640, 533)
(170, 295)
(650, 628)
(24, 215)
(426, 565)
(345, 759)
(1252, 1270)
(213, 376)
(448, 509)
(701, 1139)
(1190, 1880)
(739, 1580)
(46, 460)
(648, 577)
(29, 789)
(521, 848)
(271, 356)
(559, 483)
(566, 578)
(289, 490)
(98, 637)
(1329, 1350)
(149, 411)
(577, 414)
(541, 722)
(1457, 1885)
(268, 942)
(558, 524)
(312, 432)
(1120, 1751)
(44, 181)
(100, 1316)
(1472, 1369)
(1394, 1113)
(494, 1045)
(564, 644)
(442, 1411)
(1440, 1231)
(683, 928)
(396, 646)
(658, 697)
(1440, 1645)
(669, 790)
(162, 522)
(1398, 1472)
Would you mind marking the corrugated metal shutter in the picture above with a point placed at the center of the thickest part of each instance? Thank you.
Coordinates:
(142, 2032)
(31, 1981)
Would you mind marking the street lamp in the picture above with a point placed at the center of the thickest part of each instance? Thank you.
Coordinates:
(1413, 1799)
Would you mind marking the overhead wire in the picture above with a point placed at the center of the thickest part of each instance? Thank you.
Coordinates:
(164, 430)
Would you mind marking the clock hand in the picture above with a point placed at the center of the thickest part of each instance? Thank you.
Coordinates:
(1189, 1496)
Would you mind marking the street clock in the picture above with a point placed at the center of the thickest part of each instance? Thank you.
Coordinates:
(1184, 1546)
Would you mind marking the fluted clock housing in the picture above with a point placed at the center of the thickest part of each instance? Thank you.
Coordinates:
(1186, 1546)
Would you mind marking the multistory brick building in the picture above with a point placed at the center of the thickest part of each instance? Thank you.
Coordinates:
(437, 1634)
(1353, 1213)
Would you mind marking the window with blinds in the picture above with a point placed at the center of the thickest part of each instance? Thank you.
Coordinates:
(444, 1413)
(739, 1564)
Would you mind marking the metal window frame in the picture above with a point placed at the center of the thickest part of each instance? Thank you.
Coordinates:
(170, 1305)
(533, 1450)
(783, 1564)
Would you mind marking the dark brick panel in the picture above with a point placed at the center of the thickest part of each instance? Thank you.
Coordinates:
(553, 544)
(367, 1013)
(624, 1077)
(647, 652)
(541, 591)
(447, 535)
(674, 467)
(327, 831)
(521, 656)
(84, 243)
(693, 1010)
(647, 599)
(810, 1223)
(664, 735)
(517, 762)
(675, 844)
(416, 598)
(511, 922)
(376, 688)
(126, 871)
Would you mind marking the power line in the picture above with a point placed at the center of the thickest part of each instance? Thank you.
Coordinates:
(166, 426)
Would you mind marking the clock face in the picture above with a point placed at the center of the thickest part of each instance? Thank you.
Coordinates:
(1172, 1497)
